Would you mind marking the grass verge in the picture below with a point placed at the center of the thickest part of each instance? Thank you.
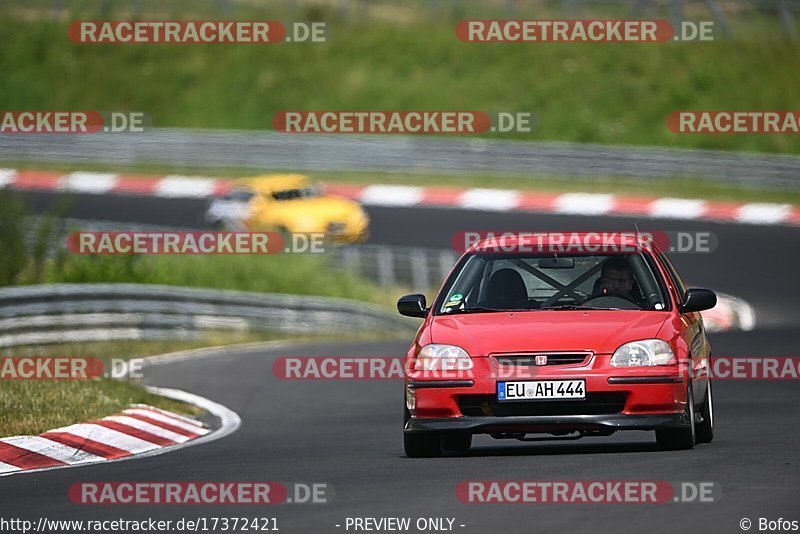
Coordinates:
(29, 407)
(617, 93)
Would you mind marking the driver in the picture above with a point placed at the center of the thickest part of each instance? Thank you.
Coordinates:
(616, 278)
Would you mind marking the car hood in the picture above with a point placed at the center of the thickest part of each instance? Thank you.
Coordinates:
(481, 334)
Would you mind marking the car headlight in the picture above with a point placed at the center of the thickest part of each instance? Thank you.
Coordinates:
(647, 352)
(435, 357)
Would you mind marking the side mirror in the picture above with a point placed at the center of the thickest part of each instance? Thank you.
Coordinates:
(412, 306)
(697, 299)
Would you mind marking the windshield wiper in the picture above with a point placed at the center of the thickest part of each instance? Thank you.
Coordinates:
(575, 307)
(476, 309)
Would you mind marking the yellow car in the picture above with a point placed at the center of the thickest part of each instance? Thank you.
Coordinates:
(289, 203)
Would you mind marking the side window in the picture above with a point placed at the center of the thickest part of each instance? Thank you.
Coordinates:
(680, 285)
(239, 195)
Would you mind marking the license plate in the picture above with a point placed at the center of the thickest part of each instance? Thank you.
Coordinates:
(541, 390)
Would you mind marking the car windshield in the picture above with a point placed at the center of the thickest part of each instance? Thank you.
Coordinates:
(311, 191)
(491, 282)
(239, 195)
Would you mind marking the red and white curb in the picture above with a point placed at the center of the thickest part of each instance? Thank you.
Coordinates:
(500, 200)
(136, 432)
(595, 204)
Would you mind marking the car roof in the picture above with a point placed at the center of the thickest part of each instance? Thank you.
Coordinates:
(276, 182)
(565, 242)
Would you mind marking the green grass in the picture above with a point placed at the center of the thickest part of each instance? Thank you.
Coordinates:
(126, 349)
(586, 92)
(31, 407)
(297, 274)
(34, 406)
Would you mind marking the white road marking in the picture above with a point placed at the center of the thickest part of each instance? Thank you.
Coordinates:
(8, 468)
(108, 436)
(53, 449)
(764, 213)
(95, 183)
(185, 186)
(146, 427)
(677, 208)
(489, 199)
(391, 195)
(584, 203)
(167, 420)
(7, 176)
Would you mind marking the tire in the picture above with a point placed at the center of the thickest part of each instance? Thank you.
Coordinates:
(705, 430)
(457, 442)
(424, 445)
(673, 439)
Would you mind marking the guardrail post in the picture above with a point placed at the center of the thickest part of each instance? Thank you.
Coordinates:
(386, 276)
(419, 269)
(719, 16)
(446, 261)
(787, 19)
(351, 260)
(676, 13)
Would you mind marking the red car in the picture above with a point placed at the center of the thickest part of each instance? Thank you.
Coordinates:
(529, 337)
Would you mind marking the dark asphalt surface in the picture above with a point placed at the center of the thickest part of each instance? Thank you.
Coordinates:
(349, 434)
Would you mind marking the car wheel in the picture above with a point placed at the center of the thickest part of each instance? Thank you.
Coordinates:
(679, 438)
(457, 442)
(425, 445)
(705, 430)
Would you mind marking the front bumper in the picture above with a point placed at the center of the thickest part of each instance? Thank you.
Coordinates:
(616, 399)
(547, 423)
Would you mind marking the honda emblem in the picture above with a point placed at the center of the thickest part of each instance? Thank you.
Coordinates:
(541, 360)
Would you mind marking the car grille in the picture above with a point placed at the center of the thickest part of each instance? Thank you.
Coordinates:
(529, 360)
(594, 404)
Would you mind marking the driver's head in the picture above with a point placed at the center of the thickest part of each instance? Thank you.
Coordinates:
(616, 277)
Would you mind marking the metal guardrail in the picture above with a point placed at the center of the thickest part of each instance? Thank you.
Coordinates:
(418, 268)
(60, 313)
(268, 150)
(66, 313)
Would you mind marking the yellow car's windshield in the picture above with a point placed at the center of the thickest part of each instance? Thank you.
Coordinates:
(296, 194)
